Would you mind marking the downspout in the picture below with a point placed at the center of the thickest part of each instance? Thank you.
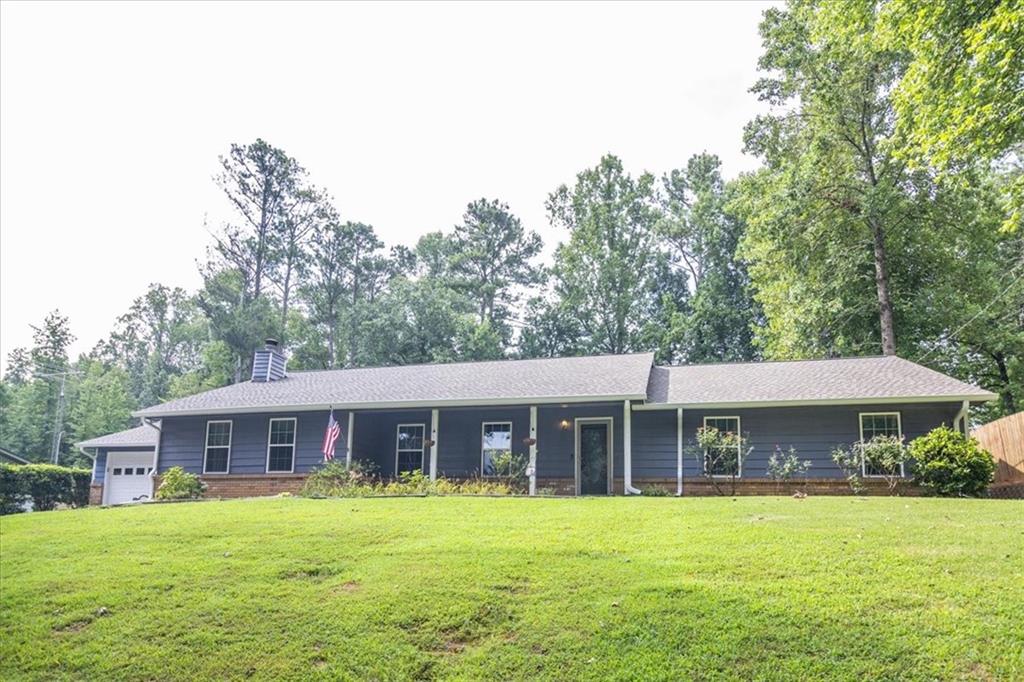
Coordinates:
(679, 452)
(960, 421)
(156, 451)
(627, 450)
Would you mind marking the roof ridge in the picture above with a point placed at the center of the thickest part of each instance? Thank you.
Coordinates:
(473, 362)
(781, 362)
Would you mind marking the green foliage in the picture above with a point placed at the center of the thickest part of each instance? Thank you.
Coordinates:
(948, 463)
(603, 276)
(332, 479)
(102, 400)
(849, 461)
(178, 484)
(721, 455)
(784, 466)
(46, 485)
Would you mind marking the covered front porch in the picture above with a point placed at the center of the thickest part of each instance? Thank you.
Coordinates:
(568, 448)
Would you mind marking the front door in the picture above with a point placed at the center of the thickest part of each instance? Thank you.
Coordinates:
(593, 453)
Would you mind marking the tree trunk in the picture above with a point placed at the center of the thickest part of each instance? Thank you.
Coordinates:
(882, 288)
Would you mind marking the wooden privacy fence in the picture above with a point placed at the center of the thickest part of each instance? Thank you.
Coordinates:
(1004, 438)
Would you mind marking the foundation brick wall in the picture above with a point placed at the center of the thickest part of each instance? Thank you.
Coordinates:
(697, 487)
(231, 486)
(96, 494)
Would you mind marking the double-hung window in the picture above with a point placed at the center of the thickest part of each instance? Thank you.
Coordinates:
(726, 459)
(872, 425)
(281, 446)
(409, 448)
(496, 449)
(217, 454)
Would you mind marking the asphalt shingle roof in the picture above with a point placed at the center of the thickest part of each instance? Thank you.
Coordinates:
(550, 380)
(140, 436)
(805, 381)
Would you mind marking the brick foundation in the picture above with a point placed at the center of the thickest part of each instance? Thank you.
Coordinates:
(231, 485)
(96, 494)
(1007, 491)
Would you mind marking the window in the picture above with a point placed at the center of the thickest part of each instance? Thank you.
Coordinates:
(496, 448)
(873, 424)
(140, 471)
(281, 446)
(726, 460)
(117, 471)
(409, 448)
(217, 456)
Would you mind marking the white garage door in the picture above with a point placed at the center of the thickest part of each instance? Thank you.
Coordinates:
(127, 477)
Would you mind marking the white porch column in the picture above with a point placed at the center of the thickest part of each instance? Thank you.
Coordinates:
(348, 439)
(679, 451)
(433, 444)
(533, 450)
(627, 450)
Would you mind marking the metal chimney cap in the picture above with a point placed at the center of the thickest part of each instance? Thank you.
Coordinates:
(271, 343)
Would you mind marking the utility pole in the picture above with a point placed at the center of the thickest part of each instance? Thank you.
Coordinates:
(58, 424)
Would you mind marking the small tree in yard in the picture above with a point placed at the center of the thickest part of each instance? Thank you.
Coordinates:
(721, 454)
(783, 467)
(881, 457)
(949, 463)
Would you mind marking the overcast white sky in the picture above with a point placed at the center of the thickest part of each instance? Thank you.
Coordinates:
(112, 117)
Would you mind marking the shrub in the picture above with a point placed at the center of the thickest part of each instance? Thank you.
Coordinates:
(654, 491)
(47, 485)
(509, 468)
(884, 457)
(178, 484)
(783, 467)
(721, 454)
(334, 480)
(949, 463)
(848, 460)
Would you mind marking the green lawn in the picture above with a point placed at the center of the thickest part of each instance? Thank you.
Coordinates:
(661, 588)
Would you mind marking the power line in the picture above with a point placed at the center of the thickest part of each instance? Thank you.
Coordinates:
(951, 335)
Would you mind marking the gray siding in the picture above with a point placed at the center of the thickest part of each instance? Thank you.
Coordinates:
(376, 433)
(183, 440)
(813, 431)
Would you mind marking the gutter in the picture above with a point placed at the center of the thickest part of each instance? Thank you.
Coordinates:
(156, 451)
(961, 418)
(822, 401)
(147, 415)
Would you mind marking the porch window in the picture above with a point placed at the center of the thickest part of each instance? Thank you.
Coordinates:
(409, 448)
(496, 447)
(218, 447)
(281, 446)
(725, 460)
(874, 424)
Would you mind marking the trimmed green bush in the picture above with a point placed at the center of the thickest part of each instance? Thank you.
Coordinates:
(46, 485)
(178, 484)
(950, 464)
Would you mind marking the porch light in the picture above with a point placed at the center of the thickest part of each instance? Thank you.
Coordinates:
(564, 424)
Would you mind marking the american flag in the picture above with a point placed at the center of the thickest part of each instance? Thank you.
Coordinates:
(330, 437)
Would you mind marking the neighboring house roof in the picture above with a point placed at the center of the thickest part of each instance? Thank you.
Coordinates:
(508, 382)
(144, 436)
(8, 456)
(850, 380)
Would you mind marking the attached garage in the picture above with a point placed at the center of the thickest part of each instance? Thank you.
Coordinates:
(122, 471)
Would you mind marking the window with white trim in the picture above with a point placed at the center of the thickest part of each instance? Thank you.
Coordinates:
(874, 424)
(726, 460)
(496, 446)
(281, 445)
(409, 448)
(217, 454)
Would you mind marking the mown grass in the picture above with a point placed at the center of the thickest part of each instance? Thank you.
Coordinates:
(768, 588)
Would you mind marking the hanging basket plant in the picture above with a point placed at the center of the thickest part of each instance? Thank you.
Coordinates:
(529, 441)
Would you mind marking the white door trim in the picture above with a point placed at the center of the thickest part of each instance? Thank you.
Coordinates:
(611, 448)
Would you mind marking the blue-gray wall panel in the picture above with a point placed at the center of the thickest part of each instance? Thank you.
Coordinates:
(183, 439)
(813, 431)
